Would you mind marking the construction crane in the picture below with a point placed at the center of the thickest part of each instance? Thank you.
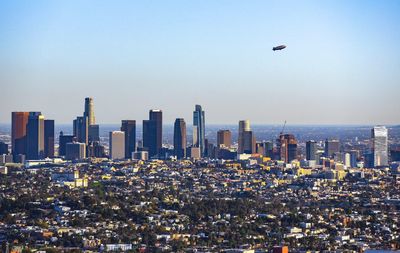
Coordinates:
(283, 128)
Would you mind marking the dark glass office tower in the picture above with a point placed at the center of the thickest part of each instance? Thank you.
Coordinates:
(331, 147)
(64, 139)
(150, 137)
(129, 127)
(49, 138)
(156, 115)
(180, 138)
(19, 121)
(249, 142)
(35, 136)
(152, 133)
(199, 123)
(81, 129)
(311, 150)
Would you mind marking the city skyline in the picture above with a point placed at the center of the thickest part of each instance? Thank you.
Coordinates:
(35, 139)
(340, 65)
(200, 126)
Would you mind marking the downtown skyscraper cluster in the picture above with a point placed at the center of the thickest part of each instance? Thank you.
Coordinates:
(86, 133)
(33, 139)
(32, 136)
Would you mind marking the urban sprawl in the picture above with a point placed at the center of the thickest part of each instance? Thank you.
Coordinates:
(77, 193)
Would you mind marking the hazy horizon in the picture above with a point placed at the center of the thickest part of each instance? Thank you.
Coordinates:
(340, 67)
(189, 124)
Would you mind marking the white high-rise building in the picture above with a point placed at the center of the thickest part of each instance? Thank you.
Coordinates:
(379, 135)
(117, 145)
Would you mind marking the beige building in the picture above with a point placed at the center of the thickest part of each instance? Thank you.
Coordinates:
(117, 145)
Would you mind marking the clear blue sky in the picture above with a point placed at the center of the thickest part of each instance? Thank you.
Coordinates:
(341, 64)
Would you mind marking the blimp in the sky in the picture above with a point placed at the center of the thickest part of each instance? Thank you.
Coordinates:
(279, 47)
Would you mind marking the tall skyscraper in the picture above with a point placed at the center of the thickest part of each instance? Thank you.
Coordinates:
(199, 123)
(49, 138)
(180, 138)
(85, 128)
(156, 115)
(152, 133)
(19, 121)
(35, 136)
(244, 125)
(224, 138)
(89, 111)
(249, 142)
(117, 145)
(149, 137)
(287, 147)
(311, 150)
(379, 135)
(81, 129)
(129, 128)
(331, 147)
